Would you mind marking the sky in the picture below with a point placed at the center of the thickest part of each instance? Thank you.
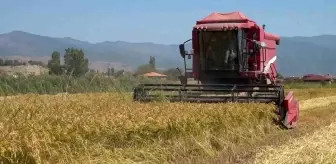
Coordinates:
(164, 22)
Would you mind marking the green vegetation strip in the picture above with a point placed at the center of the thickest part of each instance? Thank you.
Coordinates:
(95, 82)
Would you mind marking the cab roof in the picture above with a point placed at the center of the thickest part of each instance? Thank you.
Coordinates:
(230, 20)
(231, 17)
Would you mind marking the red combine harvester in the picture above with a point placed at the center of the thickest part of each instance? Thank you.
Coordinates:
(235, 61)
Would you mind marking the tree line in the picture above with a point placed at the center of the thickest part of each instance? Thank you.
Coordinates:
(172, 73)
(75, 64)
(8, 62)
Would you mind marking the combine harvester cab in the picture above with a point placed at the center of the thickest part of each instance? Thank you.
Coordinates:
(233, 60)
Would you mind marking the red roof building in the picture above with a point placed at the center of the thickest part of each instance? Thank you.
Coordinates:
(317, 78)
(154, 74)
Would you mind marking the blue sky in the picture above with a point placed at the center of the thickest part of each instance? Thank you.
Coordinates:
(158, 21)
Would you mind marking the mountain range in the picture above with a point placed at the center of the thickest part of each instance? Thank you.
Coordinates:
(296, 55)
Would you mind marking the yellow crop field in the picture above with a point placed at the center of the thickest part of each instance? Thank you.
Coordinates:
(318, 148)
(110, 128)
(310, 93)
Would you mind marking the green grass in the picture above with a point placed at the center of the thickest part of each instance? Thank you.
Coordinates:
(48, 84)
(93, 82)
(303, 85)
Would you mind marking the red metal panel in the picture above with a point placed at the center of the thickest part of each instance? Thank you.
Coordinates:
(260, 53)
(195, 65)
(233, 21)
(292, 106)
(250, 74)
(270, 53)
(270, 36)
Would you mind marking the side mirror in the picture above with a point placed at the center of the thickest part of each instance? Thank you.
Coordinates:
(182, 50)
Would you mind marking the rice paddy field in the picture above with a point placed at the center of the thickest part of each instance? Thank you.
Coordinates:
(110, 128)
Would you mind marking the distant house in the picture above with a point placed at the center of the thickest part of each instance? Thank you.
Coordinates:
(317, 78)
(154, 75)
(292, 79)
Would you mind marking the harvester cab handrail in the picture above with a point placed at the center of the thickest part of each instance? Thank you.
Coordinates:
(259, 44)
(183, 54)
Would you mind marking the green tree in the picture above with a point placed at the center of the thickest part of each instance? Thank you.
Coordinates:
(39, 63)
(110, 71)
(144, 69)
(152, 62)
(92, 71)
(119, 73)
(8, 62)
(172, 73)
(54, 64)
(75, 62)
